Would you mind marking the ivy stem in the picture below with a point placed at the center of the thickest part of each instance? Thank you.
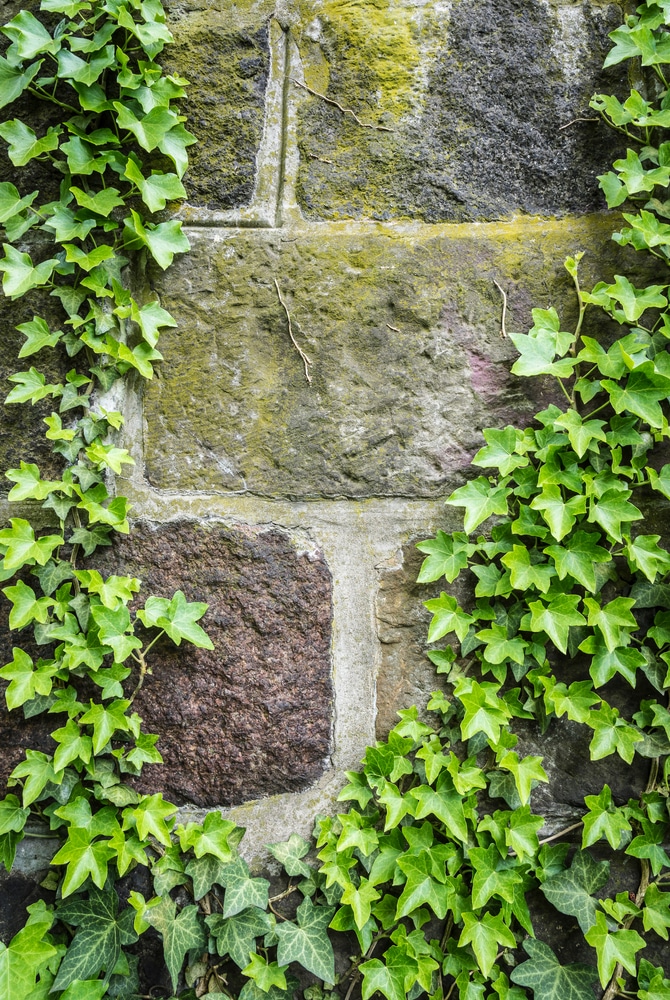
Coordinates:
(144, 667)
(562, 833)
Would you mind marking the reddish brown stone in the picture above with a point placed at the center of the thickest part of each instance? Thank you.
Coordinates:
(253, 716)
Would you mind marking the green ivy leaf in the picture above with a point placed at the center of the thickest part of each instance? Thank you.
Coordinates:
(308, 942)
(182, 932)
(101, 934)
(236, 936)
(550, 980)
(612, 947)
(572, 891)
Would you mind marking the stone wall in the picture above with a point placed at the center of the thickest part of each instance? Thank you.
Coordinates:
(452, 152)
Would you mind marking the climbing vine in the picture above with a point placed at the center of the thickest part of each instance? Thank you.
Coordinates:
(429, 867)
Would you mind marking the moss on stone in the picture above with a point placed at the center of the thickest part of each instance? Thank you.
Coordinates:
(403, 327)
(228, 69)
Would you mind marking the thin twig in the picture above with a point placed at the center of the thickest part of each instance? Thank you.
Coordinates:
(504, 311)
(574, 120)
(562, 833)
(284, 894)
(394, 328)
(305, 360)
(345, 111)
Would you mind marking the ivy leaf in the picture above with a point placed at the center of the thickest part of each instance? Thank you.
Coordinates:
(20, 275)
(559, 514)
(611, 619)
(556, 618)
(216, 836)
(526, 771)
(157, 189)
(38, 770)
(393, 977)
(163, 240)
(485, 711)
(445, 803)
(84, 857)
(308, 942)
(26, 607)
(242, 891)
(612, 947)
(640, 395)
(265, 974)
(485, 936)
(204, 872)
(14, 80)
(503, 450)
(236, 936)
(550, 980)
(577, 557)
(421, 886)
(150, 818)
(24, 144)
(492, 876)
(644, 553)
(26, 955)
(656, 912)
(480, 500)
(604, 819)
(151, 129)
(447, 556)
(612, 734)
(447, 617)
(611, 510)
(12, 816)
(289, 854)
(182, 933)
(101, 934)
(524, 573)
(178, 618)
(102, 203)
(572, 891)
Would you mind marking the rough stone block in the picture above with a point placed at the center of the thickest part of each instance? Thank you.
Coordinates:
(403, 328)
(250, 718)
(226, 60)
(478, 94)
(21, 426)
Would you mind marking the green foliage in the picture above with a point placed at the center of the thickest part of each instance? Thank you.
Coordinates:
(430, 866)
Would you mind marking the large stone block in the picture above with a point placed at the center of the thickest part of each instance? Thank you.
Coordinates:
(252, 717)
(403, 328)
(226, 59)
(480, 97)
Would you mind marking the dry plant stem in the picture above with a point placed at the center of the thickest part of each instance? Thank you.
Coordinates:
(575, 120)
(305, 360)
(503, 332)
(284, 894)
(354, 978)
(345, 111)
(562, 833)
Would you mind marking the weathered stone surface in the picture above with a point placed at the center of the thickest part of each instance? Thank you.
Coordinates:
(227, 66)
(405, 676)
(403, 328)
(253, 717)
(477, 94)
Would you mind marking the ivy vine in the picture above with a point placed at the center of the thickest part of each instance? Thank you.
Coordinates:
(430, 865)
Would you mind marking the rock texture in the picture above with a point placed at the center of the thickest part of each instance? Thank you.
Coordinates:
(253, 716)
(404, 332)
(476, 98)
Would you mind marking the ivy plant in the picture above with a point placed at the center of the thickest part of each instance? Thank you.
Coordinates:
(428, 868)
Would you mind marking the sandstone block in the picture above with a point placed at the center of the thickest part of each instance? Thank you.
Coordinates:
(403, 327)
